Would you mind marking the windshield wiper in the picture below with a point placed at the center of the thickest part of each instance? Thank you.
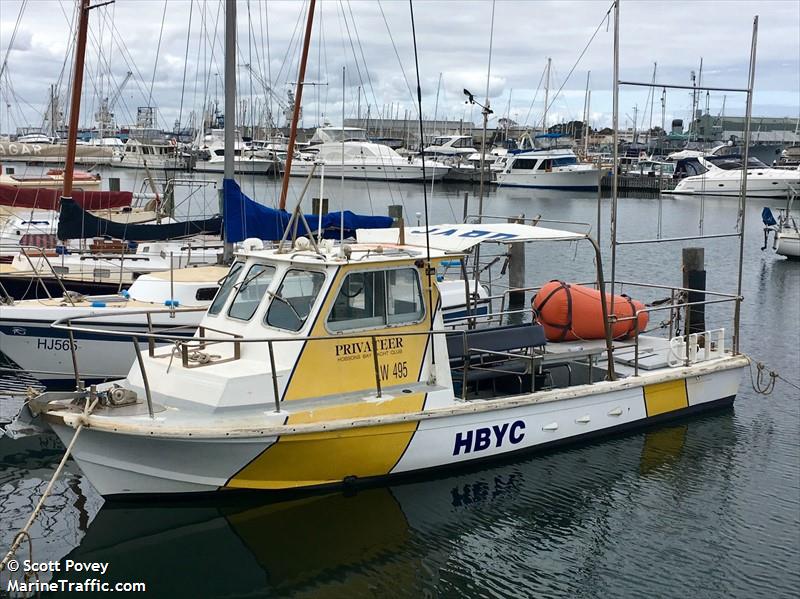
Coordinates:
(283, 300)
(250, 279)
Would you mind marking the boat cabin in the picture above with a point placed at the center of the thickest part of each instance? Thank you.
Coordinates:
(451, 145)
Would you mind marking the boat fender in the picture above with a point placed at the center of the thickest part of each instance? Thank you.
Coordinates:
(98, 304)
(172, 303)
(125, 293)
(571, 312)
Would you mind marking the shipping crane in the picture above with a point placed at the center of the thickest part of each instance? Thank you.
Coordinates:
(269, 92)
(105, 115)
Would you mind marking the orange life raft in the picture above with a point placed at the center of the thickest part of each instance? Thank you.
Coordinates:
(569, 312)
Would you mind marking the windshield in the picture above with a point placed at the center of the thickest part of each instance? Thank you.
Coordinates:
(292, 303)
(226, 286)
(251, 291)
(734, 162)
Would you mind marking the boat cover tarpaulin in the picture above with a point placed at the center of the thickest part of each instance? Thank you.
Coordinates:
(246, 218)
(461, 237)
(41, 198)
(76, 223)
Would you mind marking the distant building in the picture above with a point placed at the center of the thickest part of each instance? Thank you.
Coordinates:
(763, 130)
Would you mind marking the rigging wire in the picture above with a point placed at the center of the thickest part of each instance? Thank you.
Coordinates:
(185, 64)
(13, 37)
(580, 56)
(428, 267)
(397, 54)
(535, 95)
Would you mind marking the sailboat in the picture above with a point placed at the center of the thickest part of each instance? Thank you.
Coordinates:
(50, 265)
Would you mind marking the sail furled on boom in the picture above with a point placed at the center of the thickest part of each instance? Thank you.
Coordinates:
(246, 218)
(76, 223)
(42, 198)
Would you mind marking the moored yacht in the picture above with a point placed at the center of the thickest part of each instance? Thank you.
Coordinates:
(714, 174)
(451, 146)
(365, 161)
(547, 169)
(156, 156)
(211, 156)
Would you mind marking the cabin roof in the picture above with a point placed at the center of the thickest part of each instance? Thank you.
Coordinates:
(199, 274)
(461, 237)
(360, 253)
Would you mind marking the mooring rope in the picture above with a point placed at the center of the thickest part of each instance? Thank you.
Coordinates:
(24, 533)
(765, 379)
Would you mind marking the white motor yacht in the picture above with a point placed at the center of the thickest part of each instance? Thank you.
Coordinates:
(714, 174)
(451, 146)
(157, 156)
(548, 169)
(212, 156)
(366, 161)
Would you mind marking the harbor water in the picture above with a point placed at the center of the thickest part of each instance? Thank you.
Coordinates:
(703, 507)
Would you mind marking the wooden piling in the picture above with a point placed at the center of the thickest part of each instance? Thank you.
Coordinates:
(395, 211)
(516, 270)
(694, 278)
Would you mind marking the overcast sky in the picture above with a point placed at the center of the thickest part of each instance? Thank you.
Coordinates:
(149, 37)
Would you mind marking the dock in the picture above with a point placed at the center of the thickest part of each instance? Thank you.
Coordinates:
(634, 185)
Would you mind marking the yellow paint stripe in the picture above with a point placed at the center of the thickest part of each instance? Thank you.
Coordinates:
(330, 457)
(665, 397)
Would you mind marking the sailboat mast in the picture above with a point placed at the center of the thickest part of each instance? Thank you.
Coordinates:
(546, 95)
(230, 88)
(586, 118)
(298, 97)
(230, 106)
(75, 102)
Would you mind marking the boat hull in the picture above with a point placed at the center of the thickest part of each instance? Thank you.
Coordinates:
(123, 464)
(45, 352)
(788, 244)
(772, 186)
(240, 167)
(577, 180)
(389, 172)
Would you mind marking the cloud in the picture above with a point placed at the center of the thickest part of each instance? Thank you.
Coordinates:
(452, 39)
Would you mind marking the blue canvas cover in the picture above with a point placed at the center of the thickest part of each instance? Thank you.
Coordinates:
(246, 218)
(76, 223)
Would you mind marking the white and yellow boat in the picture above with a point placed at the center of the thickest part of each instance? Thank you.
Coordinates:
(318, 366)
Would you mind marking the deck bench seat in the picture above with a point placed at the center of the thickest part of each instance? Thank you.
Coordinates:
(488, 354)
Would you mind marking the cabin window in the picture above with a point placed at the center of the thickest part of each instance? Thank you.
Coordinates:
(566, 161)
(251, 291)
(404, 296)
(377, 298)
(205, 294)
(226, 286)
(292, 303)
(526, 164)
(545, 165)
